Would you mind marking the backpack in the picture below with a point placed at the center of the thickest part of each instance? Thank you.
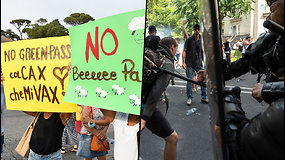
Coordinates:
(152, 61)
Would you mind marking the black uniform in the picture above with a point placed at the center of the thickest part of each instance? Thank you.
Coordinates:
(261, 137)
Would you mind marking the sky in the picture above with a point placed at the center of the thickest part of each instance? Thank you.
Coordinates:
(59, 9)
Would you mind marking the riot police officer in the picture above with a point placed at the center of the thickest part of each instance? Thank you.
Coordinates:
(261, 137)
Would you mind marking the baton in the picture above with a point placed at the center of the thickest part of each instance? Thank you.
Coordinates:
(182, 77)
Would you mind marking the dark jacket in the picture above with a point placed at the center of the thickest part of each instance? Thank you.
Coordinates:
(194, 52)
(159, 85)
(152, 41)
(261, 137)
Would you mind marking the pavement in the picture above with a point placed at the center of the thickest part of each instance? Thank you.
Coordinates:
(195, 139)
(16, 122)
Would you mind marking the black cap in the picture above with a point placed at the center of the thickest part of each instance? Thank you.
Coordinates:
(197, 25)
(270, 2)
(151, 28)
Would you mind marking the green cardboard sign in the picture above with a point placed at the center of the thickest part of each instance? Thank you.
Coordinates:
(106, 63)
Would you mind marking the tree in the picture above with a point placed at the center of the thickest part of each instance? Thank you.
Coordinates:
(52, 29)
(41, 21)
(78, 18)
(160, 14)
(19, 23)
(234, 8)
(10, 34)
(228, 8)
(190, 13)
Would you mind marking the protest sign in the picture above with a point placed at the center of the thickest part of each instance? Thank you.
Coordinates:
(106, 65)
(36, 74)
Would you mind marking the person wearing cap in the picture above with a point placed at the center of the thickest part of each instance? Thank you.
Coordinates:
(192, 61)
(152, 40)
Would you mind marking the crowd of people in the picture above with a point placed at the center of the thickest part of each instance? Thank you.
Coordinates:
(54, 131)
(238, 47)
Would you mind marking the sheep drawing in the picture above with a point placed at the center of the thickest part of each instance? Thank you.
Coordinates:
(98, 90)
(137, 27)
(115, 87)
(103, 94)
(137, 102)
(120, 91)
(134, 99)
(82, 93)
(77, 89)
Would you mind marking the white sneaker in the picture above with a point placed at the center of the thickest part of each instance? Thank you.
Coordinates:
(189, 101)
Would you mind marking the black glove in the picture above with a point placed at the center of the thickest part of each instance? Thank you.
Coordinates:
(233, 110)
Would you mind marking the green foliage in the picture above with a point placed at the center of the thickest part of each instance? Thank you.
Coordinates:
(10, 34)
(170, 13)
(41, 21)
(52, 29)
(78, 18)
(19, 23)
(235, 8)
(189, 10)
(160, 14)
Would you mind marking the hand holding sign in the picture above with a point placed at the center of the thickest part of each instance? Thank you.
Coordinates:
(36, 72)
(116, 43)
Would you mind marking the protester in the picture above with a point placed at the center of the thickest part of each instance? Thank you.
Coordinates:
(227, 47)
(86, 134)
(69, 136)
(3, 106)
(246, 43)
(152, 40)
(185, 33)
(78, 120)
(152, 118)
(46, 137)
(177, 55)
(236, 47)
(192, 61)
(261, 137)
(126, 127)
(240, 45)
(180, 49)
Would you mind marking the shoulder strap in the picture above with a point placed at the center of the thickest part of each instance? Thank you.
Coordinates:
(35, 118)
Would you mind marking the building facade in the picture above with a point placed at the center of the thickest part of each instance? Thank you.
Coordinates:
(251, 24)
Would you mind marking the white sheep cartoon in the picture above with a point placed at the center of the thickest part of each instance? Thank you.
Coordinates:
(137, 27)
(137, 102)
(98, 90)
(103, 94)
(120, 91)
(134, 99)
(77, 89)
(115, 87)
(82, 93)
